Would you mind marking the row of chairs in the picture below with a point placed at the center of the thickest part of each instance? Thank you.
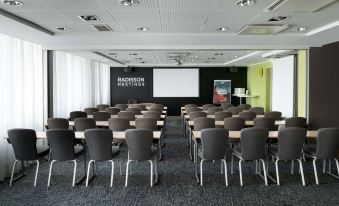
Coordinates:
(123, 107)
(233, 110)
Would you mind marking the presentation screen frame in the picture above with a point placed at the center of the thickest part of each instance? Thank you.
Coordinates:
(222, 90)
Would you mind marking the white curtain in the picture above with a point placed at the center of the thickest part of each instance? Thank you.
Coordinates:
(78, 83)
(21, 92)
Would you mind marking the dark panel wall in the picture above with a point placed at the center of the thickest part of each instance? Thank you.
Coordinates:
(324, 86)
(145, 94)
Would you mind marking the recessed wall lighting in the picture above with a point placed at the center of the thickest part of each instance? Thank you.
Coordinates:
(278, 18)
(63, 28)
(221, 29)
(244, 3)
(12, 3)
(142, 28)
(129, 2)
(218, 54)
(300, 29)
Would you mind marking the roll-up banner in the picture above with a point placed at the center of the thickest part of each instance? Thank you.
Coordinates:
(222, 91)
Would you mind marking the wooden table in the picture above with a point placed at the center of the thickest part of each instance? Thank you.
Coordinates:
(105, 123)
(247, 123)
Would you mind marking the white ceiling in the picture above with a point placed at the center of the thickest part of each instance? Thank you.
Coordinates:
(186, 26)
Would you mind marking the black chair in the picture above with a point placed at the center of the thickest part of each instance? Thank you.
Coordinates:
(248, 116)
(81, 124)
(235, 110)
(221, 116)
(213, 147)
(265, 122)
(142, 107)
(153, 115)
(100, 149)
(112, 110)
(226, 106)
(234, 123)
(155, 109)
(102, 107)
(158, 106)
(91, 110)
(122, 107)
(77, 114)
(136, 111)
(290, 145)
(61, 142)
(127, 115)
(101, 116)
(197, 114)
(274, 115)
(296, 122)
(118, 124)
(257, 110)
(57, 123)
(205, 107)
(193, 109)
(326, 149)
(203, 123)
(139, 144)
(244, 106)
(24, 145)
(213, 110)
(132, 101)
(252, 147)
(146, 123)
(190, 105)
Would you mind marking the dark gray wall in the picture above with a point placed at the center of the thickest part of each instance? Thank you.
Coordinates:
(324, 86)
(145, 93)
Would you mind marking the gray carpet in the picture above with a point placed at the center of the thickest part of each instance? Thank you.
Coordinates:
(177, 184)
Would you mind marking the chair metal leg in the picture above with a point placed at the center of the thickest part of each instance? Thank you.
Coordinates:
(277, 171)
(74, 172)
(88, 171)
(315, 172)
(120, 166)
(240, 172)
(112, 173)
(36, 172)
(127, 165)
(50, 173)
(13, 168)
(264, 168)
(324, 166)
(337, 163)
(232, 165)
(301, 172)
(292, 167)
(156, 162)
(225, 167)
(151, 172)
(201, 163)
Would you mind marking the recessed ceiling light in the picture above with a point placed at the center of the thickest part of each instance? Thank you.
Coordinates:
(195, 56)
(129, 2)
(138, 58)
(143, 62)
(300, 29)
(221, 29)
(12, 3)
(278, 18)
(142, 28)
(156, 56)
(63, 28)
(244, 3)
(235, 56)
(218, 54)
(89, 18)
(133, 54)
(211, 58)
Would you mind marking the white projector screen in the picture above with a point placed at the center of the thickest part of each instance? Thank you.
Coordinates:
(176, 82)
(283, 85)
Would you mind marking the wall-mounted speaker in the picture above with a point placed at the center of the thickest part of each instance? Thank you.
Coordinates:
(233, 69)
(128, 69)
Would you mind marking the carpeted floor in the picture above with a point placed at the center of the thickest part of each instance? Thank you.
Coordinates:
(177, 184)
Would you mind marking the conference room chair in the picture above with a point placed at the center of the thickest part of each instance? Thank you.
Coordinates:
(290, 145)
(142, 107)
(192, 117)
(112, 110)
(221, 116)
(140, 149)
(77, 114)
(257, 110)
(24, 145)
(234, 124)
(296, 122)
(265, 122)
(327, 148)
(251, 148)
(274, 115)
(226, 106)
(213, 110)
(136, 111)
(213, 148)
(199, 124)
(57, 123)
(122, 107)
(91, 110)
(244, 106)
(190, 105)
(153, 115)
(101, 116)
(102, 107)
(248, 116)
(118, 124)
(235, 110)
(146, 123)
(197, 114)
(205, 107)
(132, 101)
(127, 115)
(155, 109)
(100, 149)
(193, 109)
(81, 124)
(158, 106)
(61, 142)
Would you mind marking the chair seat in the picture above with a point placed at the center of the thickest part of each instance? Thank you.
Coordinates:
(310, 150)
(42, 151)
(237, 151)
(78, 151)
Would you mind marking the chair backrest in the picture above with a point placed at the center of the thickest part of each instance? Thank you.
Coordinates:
(127, 115)
(57, 123)
(197, 114)
(265, 122)
(190, 105)
(244, 106)
(132, 101)
(226, 106)
(91, 110)
(193, 109)
(102, 107)
(112, 110)
(221, 116)
(77, 114)
(24, 143)
(248, 116)
(152, 114)
(101, 116)
(61, 142)
(274, 115)
(234, 123)
(327, 143)
(81, 124)
(290, 143)
(142, 107)
(158, 106)
(136, 111)
(122, 107)
(203, 123)
(139, 143)
(235, 110)
(146, 123)
(118, 124)
(257, 110)
(252, 141)
(214, 143)
(296, 122)
(213, 110)
(155, 109)
(99, 142)
(205, 107)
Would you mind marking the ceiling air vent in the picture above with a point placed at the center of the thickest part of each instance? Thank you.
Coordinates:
(262, 29)
(275, 5)
(102, 27)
